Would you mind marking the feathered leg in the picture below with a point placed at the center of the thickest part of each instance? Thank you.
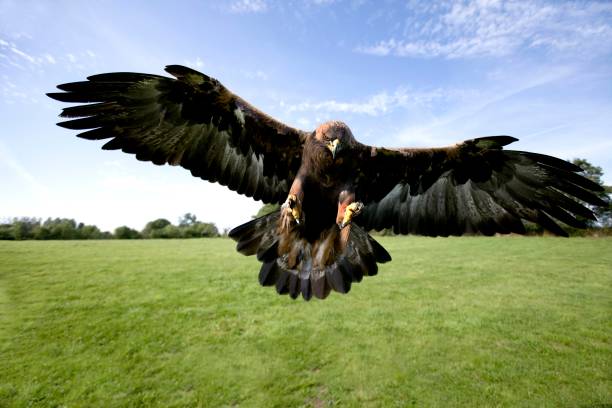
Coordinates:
(291, 210)
(348, 208)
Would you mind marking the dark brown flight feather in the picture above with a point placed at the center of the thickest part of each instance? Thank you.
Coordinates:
(192, 121)
(472, 187)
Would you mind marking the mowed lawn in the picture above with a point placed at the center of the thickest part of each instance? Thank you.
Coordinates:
(509, 322)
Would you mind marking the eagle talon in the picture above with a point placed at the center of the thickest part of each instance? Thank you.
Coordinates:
(352, 210)
(292, 207)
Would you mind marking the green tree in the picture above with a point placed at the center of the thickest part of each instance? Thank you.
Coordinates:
(42, 233)
(151, 230)
(52, 228)
(207, 229)
(6, 232)
(200, 229)
(187, 219)
(84, 231)
(106, 235)
(192, 228)
(125, 232)
(169, 231)
(25, 227)
(61, 228)
(267, 209)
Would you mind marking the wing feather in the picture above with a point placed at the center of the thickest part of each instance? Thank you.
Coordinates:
(472, 187)
(191, 120)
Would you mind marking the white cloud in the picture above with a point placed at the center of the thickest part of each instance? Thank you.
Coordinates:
(499, 28)
(71, 58)
(380, 103)
(23, 55)
(469, 114)
(259, 74)
(197, 63)
(248, 6)
(322, 2)
(373, 106)
(10, 94)
(18, 58)
(304, 122)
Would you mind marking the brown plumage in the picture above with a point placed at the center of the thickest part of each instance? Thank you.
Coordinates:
(333, 188)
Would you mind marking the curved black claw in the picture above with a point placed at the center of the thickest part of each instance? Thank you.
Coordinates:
(352, 210)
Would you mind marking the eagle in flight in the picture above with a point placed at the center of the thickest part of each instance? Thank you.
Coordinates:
(333, 189)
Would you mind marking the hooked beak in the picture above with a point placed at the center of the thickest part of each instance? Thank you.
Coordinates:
(333, 147)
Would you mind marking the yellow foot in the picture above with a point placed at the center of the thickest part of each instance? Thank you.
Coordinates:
(352, 210)
(292, 206)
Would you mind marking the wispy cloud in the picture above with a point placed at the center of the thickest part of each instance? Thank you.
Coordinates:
(322, 2)
(485, 107)
(248, 6)
(499, 28)
(10, 93)
(24, 61)
(258, 74)
(198, 63)
(375, 105)
(23, 55)
(380, 103)
(15, 56)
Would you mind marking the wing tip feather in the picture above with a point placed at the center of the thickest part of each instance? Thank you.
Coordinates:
(494, 142)
(181, 71)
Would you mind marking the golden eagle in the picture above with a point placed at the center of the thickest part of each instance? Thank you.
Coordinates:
(333, 189)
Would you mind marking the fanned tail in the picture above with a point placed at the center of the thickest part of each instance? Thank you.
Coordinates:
(293, 265)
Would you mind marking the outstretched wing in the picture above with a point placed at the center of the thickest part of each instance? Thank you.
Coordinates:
(471, 187)
(192, 121)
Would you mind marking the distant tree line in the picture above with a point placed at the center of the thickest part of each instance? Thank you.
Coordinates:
(66, 228)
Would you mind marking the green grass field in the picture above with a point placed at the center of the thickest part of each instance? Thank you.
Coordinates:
(508, 322)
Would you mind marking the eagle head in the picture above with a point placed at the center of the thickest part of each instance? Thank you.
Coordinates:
(335, 136)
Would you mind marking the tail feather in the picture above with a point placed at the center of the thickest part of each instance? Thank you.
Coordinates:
(249, 235)
(305, 284)
(294, 289)
(339, 281)
(267, 253)
(320, 285)
(268, 274)
(249, 246)
(380, 253)
(282, 287)
(295, 268)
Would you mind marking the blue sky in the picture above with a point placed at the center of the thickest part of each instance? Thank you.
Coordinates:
(399, 73)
